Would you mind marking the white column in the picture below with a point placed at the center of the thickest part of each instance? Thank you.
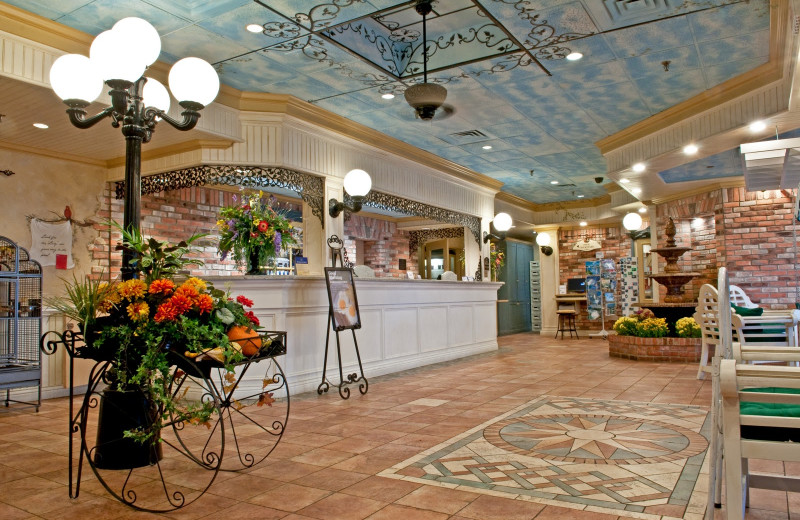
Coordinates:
(334, 189)
(549, 281)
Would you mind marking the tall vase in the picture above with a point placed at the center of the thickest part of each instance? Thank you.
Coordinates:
(120, 411)
(253, 266)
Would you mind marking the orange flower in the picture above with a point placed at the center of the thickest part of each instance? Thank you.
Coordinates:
(188, 291)
(205, 303)
(130, 289)
(180, 303)
(162, 286)
(197, 283)
(165, 312)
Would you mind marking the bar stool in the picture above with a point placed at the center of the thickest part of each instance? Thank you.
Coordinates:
(566, 320)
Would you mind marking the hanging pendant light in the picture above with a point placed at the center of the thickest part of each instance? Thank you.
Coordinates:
(425, 97)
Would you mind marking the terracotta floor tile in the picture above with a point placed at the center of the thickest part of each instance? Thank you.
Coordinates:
(342, 507)
(333, 479)
(488, 507)
(289, 497)
(435, 498)
(245, 511)
(563, 513)
(395, 512)
(382, 489)
(8, 512)
(322, 457)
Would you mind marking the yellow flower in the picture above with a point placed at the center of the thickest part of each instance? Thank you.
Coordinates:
(138, 311)
(197, 283)
(130, 289)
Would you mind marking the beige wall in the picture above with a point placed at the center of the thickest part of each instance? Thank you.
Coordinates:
(43, 187)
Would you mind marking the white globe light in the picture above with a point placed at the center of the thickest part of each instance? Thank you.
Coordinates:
(109, 56)
(73, 76)
(357, 183)
(502, 222)
(155, 95)
(632, 221)
(193, 79)
(143, 38)
(543, 239)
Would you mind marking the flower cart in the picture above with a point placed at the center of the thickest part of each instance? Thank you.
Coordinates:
(167, 393)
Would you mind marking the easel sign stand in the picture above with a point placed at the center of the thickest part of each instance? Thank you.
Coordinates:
(343, 314)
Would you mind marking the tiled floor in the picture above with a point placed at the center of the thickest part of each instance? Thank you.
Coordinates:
(326, 466)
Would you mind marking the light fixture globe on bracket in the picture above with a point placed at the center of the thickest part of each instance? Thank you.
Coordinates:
(543, 241)
(118, 58)
(502, 223)
(425, 98)
(357, 184)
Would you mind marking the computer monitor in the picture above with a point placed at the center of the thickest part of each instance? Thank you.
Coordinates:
(576, 285)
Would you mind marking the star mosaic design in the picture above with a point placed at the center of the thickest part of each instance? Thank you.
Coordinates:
(615, 457)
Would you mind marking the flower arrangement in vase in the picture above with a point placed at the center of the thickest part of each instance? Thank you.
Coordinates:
(254, 231)
(497, 260)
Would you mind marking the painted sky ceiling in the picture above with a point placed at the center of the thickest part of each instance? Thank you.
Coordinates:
(502, 62)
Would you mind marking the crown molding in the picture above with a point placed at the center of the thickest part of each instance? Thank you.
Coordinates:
(177, 148)
(52, 154)
(706, 188)
(43, 30)
(551, 206)
(755, 79)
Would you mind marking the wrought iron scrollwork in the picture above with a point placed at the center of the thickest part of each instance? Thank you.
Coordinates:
(417, 238)
(377, 199)
(309, 187)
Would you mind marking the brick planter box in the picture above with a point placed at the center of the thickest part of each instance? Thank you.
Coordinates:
(671, 350)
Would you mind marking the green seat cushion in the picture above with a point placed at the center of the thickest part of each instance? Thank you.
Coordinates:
(768, 433)
(745, 311)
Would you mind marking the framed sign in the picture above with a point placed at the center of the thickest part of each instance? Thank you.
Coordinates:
(342, 298)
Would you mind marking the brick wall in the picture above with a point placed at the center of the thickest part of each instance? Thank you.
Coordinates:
(572, 263)
(759, 245)
(383, 245)
(172, 216)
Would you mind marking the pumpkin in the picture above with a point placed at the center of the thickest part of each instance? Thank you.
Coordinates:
(246, 338)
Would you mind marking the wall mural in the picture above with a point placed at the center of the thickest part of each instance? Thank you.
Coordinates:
(309, 187)
(388, 202)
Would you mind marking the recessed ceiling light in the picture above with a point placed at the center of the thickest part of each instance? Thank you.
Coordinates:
(583, 223)
(553, 182)
(624, 181)
(642, 210)
(581, 196)
(757, 126)
(690, 149)
(638, 167)
(636, 191)
(574, 56)
(487, 147)
(388, 95)
(254, 27)
(41, 125)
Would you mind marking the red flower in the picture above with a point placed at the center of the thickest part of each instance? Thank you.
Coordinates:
(247, 302)
(246, 207)
(253, 318)
(263, 226)
(253, 234)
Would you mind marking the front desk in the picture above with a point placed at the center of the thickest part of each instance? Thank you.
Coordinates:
(405, 323)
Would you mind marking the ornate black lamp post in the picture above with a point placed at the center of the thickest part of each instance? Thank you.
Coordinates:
(118, 58)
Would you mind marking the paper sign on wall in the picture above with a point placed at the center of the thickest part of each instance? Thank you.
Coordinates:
(51, 240)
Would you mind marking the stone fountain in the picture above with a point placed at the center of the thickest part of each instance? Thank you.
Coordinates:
(672, 277)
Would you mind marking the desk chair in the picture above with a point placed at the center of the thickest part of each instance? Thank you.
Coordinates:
(566, 319)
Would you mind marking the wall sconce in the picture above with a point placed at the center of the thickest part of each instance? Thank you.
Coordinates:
(502, 223)
(357, 184)
(632, 222)
(543, 241)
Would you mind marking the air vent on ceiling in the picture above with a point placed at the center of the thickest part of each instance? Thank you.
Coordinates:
(563, 185)
(469, 133)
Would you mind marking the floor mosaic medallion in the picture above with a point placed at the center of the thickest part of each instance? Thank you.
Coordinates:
(630, 459)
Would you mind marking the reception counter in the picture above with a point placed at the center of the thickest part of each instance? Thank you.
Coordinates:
(405, 323)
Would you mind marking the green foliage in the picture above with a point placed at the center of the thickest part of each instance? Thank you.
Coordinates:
(687, 328)
(83, 301)
(652, 328)
(155, 259)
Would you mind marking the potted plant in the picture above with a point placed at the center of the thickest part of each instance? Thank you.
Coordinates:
(144, 328)
(254, 231)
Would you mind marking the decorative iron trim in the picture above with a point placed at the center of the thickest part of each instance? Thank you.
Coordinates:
(310, 187)
(377, 199)
(417, 238)
(7, 173)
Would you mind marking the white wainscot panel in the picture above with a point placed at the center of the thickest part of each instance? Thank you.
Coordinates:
(459, 325)
(306, 342)
(369, 343)
(400, 335)
(484, 319)
(433, 333)
(267, 319)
